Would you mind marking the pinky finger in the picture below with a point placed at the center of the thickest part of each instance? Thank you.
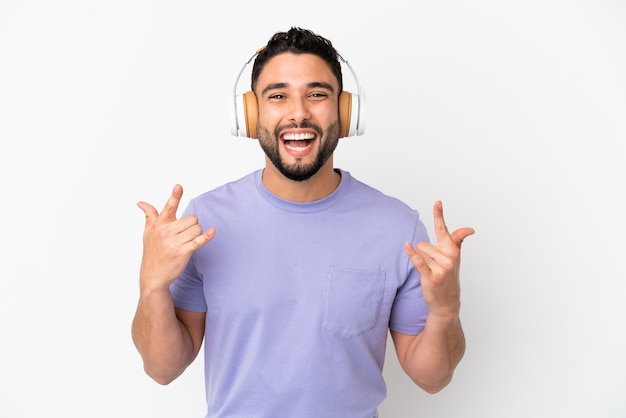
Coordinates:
(200, 240)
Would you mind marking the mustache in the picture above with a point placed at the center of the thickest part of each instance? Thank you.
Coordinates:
(303, 125)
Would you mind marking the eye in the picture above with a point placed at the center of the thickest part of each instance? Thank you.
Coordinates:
(318, 95)
(276, 97)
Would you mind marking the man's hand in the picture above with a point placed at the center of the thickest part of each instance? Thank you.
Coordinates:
(168, 243)
(439, 266)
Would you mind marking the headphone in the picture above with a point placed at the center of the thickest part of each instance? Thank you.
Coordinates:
(244, 110)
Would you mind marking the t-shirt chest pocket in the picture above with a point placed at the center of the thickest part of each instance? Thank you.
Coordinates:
(353, 301)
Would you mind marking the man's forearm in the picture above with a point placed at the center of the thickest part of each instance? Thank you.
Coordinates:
(164, 344)
(431, 357)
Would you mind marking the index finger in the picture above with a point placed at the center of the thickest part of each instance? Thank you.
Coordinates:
(441, 230)
(171, 206)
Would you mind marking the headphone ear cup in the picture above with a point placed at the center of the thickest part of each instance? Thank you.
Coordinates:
(345, 113)
(351, 115)
(251, 113)
(243, 115)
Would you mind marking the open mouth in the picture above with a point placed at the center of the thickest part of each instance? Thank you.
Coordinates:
(298, 141)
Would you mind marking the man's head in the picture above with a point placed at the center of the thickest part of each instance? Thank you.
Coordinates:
(297, 81)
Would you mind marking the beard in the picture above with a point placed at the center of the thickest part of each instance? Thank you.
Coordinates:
(299, 171)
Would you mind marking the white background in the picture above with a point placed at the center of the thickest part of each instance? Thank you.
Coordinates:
(513, 113)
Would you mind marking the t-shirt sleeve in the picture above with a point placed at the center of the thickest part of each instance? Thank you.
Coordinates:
(409, 311)
(187, 291)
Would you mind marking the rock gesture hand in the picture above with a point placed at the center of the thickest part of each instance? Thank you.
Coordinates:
(168, 243)
(439, 265)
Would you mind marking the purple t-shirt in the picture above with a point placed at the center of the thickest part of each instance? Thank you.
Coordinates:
(299, 298)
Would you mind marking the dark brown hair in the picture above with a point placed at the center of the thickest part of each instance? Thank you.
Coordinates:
(298, 41)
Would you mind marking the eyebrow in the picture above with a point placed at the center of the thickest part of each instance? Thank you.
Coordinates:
(313, 85)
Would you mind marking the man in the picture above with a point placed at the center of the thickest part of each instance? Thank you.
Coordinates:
(294, 274)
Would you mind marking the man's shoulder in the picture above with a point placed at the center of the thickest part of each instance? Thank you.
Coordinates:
(226, 197)
(241, 185)
(376, 197)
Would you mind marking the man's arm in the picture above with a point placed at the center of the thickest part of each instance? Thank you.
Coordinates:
(431, 356)
(167, 338)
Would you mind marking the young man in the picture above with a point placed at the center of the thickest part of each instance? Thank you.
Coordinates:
(294, 274)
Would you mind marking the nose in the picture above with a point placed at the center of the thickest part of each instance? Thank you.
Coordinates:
(298, 110)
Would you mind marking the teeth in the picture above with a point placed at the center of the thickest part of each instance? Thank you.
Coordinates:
(298, 142)
(291, 147)
(298, 137)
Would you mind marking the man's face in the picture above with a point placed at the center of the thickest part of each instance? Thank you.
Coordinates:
(298, 124)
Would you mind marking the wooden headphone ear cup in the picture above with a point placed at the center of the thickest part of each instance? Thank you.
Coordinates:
(345, 113)
(251, 113)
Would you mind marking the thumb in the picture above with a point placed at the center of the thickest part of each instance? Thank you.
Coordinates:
(460, 234)
(148, 210)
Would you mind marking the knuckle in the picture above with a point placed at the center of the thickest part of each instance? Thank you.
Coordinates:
(447, 264)
(195, 244)
(196, 229)
(162, 233)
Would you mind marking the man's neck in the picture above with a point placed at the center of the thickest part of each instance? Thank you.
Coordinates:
(320, 185)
